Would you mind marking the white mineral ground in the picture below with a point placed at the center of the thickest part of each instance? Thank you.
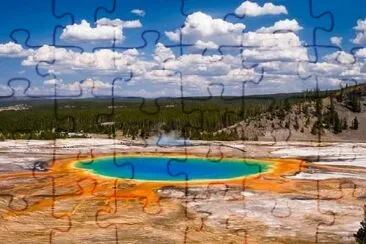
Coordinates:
(265, 216)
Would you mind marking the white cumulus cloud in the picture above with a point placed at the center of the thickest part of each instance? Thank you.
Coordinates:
(360, 38)
(276, 48)
(361, 32)
(275, 40)
(53, 82)
(336, 40)
(200, 26)
(138, 12)
(119, 23)
(249, 8)
(104, 60)
(162, 54)
(361, 25)
(340, 57)
(282, 25)
(12, 49)
(105, 30)
(203, 45)
(361, 53)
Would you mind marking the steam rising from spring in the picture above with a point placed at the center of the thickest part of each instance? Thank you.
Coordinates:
(170, 139)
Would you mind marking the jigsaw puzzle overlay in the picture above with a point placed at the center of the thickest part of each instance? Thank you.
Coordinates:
(183, 121)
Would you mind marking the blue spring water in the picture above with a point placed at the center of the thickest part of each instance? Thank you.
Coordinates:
(171, 169)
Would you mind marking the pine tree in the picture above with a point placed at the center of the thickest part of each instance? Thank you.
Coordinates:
(340, 96)
(361, 233)
(345, 125)
(296, 125)
(287, 105)
(354, 124)
(287, 124)
(360, 236)
(315, 130)
(354, 102)
(307, 122)
(331, 105)
(337, 126)
(305, 110)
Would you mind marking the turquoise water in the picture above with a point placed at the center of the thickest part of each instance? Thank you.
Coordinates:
(171, 169)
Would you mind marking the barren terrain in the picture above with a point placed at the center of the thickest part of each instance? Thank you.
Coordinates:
(323, 202)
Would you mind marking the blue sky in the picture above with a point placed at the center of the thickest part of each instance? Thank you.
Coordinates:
(273, 36)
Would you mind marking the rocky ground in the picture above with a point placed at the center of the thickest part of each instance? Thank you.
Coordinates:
(325, 202)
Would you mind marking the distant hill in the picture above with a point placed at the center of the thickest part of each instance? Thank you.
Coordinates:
(339, 116)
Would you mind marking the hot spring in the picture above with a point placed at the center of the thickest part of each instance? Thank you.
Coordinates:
(164, 168)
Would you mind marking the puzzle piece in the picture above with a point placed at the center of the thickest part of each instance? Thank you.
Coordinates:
(207, 68)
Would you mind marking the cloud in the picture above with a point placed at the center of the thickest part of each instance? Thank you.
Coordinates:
(262, 45)
(248, 8)
(267, 46)
(84, 32)
(360, 38)
(95, 84)
(275, 40)
(336, 40)
(221, 68)
(138, 12)
(105, 30)
(360, 29)
(53, 82)
(119, 23)
(103, 60)
(276, 48)
(282, 25)
(48, 54)
(203, 45)
(238, 75)
(196, 64)
(161, 53)
(342, 69)
(320, 69)
(5, 90)
(12, 49)
(361, 25)
(361, 53)
(339, 57)
(89, 88)
(274, 54)
(202, 27)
